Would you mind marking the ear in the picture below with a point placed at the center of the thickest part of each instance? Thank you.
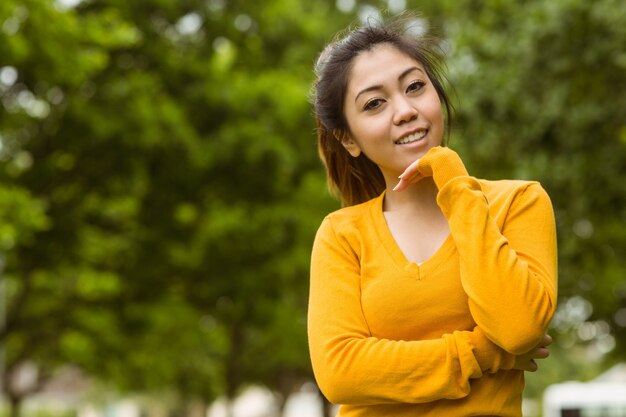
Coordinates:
(347, 142)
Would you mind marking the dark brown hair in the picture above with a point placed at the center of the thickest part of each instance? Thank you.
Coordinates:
(356, 180)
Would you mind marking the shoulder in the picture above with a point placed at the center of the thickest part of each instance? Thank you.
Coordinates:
(516, 195)
(343, 233)
(348, 223)
(512, 189)
(352, 215)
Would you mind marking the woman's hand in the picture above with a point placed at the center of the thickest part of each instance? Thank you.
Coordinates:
(526, 362)
(442, 163)
(410, 176)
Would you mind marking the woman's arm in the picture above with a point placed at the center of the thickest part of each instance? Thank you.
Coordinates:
(509, 271)
(352, 367)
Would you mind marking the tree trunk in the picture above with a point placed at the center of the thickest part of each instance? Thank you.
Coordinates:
(233, 374)
(15, 404)
(281, 402)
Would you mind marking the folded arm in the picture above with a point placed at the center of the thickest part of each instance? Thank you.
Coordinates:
(508, 270)
(352, 367)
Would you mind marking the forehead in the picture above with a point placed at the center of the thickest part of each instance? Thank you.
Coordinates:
(380, 65)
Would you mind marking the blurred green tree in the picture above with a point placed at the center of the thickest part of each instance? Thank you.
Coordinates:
(171, 149)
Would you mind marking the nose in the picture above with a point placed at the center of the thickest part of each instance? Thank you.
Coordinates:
(404, 110)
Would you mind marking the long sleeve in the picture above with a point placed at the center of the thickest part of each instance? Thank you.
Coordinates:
(352, 367)
(508, 270)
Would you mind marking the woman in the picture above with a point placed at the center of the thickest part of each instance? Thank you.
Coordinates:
(431, 290)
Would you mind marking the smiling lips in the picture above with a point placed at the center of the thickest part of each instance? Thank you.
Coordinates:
(413, 137)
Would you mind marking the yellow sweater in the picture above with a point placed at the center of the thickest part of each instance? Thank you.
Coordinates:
(389, 337)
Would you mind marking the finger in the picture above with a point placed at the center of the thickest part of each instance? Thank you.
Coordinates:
(541, 353)
(532, 366)
(547, 340)
(410, 170)
(402, 184)
(406, 182)
(409, 176)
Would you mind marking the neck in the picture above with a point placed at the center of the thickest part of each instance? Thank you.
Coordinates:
(420, 196)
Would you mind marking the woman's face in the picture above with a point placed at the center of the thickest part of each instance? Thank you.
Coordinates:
(393, 111)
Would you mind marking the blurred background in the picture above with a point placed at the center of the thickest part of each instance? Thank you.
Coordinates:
(160, 190)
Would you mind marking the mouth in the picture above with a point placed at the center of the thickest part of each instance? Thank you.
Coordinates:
(413, 137)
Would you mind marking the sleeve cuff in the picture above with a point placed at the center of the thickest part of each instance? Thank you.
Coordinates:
(489, 356)
(443, 164)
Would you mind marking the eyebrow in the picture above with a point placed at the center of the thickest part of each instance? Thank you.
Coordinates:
(379, 87)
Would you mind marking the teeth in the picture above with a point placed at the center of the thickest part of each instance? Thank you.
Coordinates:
(412, 138)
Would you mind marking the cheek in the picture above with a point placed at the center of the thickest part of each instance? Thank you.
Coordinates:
(436, 116)
(367, 129)
(435, 108)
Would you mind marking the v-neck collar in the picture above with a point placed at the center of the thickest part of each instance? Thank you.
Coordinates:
(392, 248)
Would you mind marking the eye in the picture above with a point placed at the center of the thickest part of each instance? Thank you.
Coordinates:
(415, 86)
(373, 104)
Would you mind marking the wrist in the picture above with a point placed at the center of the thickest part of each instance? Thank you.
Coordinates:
(443, 164)
(490, 357)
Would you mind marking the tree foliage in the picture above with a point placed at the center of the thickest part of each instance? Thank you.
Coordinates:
(164, 156)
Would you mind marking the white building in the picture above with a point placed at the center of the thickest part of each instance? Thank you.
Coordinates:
(604, 396)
